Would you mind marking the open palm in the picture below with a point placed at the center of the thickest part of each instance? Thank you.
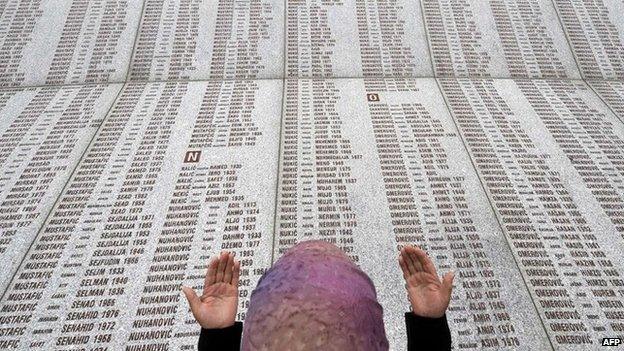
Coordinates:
(217, 306)
(428, 295)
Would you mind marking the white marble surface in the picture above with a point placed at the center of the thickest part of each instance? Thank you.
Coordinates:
(56, 42)
(595, 31)
(43, 134)
(517, 185)
(149, 217)
(407, 179)
(183, 39)
(498, 39)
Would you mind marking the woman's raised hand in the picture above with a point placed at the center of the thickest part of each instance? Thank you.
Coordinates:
(217, 306)
(428, 295)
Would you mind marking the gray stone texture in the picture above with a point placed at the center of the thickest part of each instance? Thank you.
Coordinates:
(595, 31)
(548, 153)
(143, 212)
(612, 93)
(355, 39)
(209, 40)
(56, 42)
(138, 138)
(498, 39)
(43, 134)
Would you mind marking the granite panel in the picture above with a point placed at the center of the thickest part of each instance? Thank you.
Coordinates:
(499, 39)
(612, 93)
(550, 155)
(177, 172)
(55, 42)
(199, 40)
(138, 138)
(43, 133)
(596, 34)
(372, 165)
(355, 39)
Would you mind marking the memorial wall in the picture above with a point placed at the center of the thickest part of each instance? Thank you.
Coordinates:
(139, 138)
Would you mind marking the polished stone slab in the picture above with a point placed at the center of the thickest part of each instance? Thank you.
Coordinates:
(43, 134)
(373, 165)
(612, 93)
(550, 156)
(55, 42)
(177, 172)
(499, 39)
(113, 195)
(355, 39)
(199, 40)
(595, 30)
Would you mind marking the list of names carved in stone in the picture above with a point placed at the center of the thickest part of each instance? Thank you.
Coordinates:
(178, 172)
(56, 42)
(596, 33)
(139, 138)
(496, 38)
(203, 39)
(373, 165)
(549, 155)
(360, 38)
(612, 92)
(43, 133)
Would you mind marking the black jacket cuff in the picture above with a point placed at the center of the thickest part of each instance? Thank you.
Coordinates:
(427, 333)
(227, 339)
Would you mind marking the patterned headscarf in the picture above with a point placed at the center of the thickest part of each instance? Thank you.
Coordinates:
(314, 298)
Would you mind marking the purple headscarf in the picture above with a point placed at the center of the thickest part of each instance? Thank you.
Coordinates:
(314, 298)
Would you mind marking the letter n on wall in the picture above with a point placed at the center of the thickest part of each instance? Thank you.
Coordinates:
(192, 156)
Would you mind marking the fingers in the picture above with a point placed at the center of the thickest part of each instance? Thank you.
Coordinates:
(227, 275)
(404, 268)
(447, 282)
(223, 269)
(404, 263)
(211, 275)
(223, 259)
(192, 298)
(236, 273)
(424, 260)
(413, 265)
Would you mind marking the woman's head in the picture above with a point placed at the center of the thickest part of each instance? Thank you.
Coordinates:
(314, 298)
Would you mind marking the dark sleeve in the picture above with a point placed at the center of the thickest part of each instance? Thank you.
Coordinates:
(226, 339)
(427, 333)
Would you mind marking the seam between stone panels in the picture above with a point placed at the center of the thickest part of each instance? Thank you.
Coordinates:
(487, 196)
(565, 34)
(305, 78)
(281, 126)
(424, 23)
(279, 171)
(71, 175)
(136, 39)
(588, 84)
(69, 85)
